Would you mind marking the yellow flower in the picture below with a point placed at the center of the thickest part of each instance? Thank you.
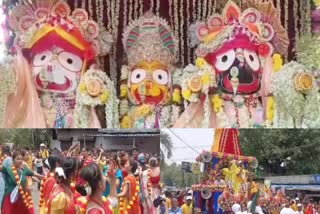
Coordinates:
(205, 79)
(277, 62)
(176, 97)
(83, 87)
(104, 96)
(142, 111)
(270, 109)
(217, 103)
(186, 94)
(123, 91)
(125, 122)
(200, 62)
(317, 3)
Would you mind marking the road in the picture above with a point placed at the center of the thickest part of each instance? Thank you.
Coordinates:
(36, 197)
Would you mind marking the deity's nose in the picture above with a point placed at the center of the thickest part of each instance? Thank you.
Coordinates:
(50, 67)
(240, 56)
(149, 85)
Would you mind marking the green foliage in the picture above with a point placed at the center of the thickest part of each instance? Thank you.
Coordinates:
(301, 146)
(172, 175)
(166, 145)
(26, 137)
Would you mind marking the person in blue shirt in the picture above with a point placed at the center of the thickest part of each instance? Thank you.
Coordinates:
(174, 207)
(119, 176)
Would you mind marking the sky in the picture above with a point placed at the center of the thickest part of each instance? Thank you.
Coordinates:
(198, 139)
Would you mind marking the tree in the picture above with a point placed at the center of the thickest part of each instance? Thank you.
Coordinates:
(26, 137)
(166, 145)
(296, 149)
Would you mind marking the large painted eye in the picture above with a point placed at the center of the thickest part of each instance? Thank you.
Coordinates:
(138, 75)
(225, 61)
(252, 59)
(160, 76)
(42, 58)
(70, 61)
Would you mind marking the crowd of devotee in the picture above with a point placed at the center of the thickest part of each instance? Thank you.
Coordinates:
(78, 180)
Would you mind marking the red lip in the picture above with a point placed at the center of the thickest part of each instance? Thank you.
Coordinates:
(54, 86)
(243, 88)
(149, 99)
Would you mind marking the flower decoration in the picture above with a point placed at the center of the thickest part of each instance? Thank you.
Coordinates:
(217, 103)
(277, 62)
(96, 89)
(295, 108)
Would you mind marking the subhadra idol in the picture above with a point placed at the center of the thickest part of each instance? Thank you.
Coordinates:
(233, 70)
(147, 80)
(58, 80)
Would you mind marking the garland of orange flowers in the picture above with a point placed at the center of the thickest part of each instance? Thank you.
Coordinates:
(1, 160)
(131, 200)
(83, 203)
(149, 182)
(27, 200)
(42, 188)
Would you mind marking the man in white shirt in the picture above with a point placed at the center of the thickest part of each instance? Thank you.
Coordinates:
(300, 209)
(287, 210)
(236, 209)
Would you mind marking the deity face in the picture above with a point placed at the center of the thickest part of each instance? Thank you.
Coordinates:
(56, 70)
(238, 66)
(149, 83)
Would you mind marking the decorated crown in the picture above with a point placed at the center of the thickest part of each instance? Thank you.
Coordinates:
(33, 20)
(259, 22)
(149, 38)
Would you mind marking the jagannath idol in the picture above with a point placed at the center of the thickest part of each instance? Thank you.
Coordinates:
(55, 79)
(147, 82)
(230, 84)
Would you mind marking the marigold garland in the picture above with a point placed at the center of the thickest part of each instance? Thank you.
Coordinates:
(27, 200)
(131, 200)
(83, 204)
(1, 160)
(44, 179)
(149, 185)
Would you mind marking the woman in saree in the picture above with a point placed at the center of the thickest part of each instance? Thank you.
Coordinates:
(62, 199)
(92, 185)
(14, 175)
(48, 182)
(129, 195)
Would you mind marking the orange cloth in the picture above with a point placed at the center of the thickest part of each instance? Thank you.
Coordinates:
(135, 208)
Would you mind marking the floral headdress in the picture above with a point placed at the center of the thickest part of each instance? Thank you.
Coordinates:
(149, 38)
(259, 22)
(36, 19)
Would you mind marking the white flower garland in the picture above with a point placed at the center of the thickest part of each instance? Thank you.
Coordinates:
(85, 100)
(293, 110)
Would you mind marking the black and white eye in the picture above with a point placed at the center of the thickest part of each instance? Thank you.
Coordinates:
(160, 76)
(70, 61)
(225, 61)
(42, 58)
(252, 60)
(138, 75)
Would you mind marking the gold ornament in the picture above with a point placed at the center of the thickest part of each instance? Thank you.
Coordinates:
(303, 82)
(94, 88)
(195, 84)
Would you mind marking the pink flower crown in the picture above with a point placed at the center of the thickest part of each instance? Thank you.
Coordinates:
(259, 22)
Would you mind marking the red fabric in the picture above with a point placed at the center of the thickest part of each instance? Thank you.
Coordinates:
(58, 189)
(124, 173)
(229, 142)
(17, 207)
(155, 180)
(48, 187)
(95, 211)
(135, 208)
